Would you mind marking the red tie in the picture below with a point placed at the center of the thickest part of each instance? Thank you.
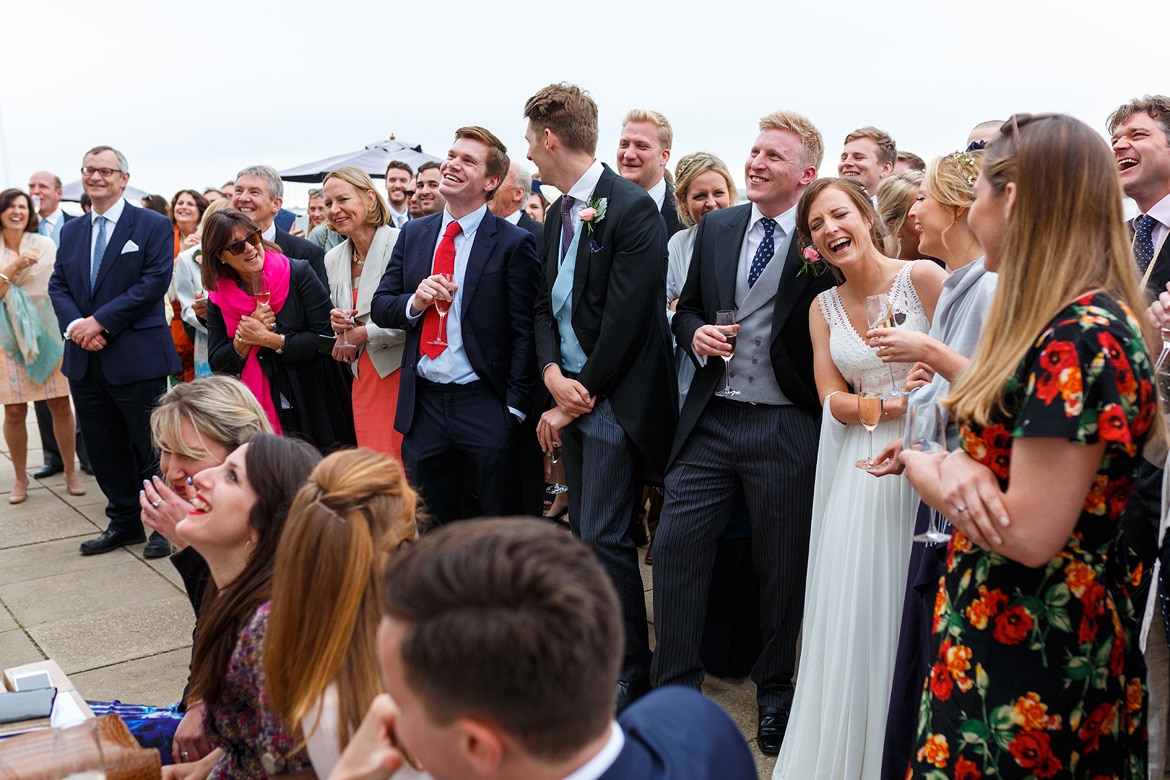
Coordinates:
(444, 264)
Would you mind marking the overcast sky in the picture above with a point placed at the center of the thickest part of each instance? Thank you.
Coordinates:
(192, 91)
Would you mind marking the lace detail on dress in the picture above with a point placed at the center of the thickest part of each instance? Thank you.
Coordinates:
(852, 356)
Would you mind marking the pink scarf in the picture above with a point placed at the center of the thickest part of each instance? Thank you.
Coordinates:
(235, 304)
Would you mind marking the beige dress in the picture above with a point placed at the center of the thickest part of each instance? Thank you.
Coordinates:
(15, 386)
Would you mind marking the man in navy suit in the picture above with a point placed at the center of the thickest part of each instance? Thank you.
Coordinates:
(107, 288)
(467, 383)
(500, 644)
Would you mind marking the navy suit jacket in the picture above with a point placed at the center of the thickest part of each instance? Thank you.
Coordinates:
(674, 733)
(297, 248)
(127, 299)
(670, 212)
(499, 287)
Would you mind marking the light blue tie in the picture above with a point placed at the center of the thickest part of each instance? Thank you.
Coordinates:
(99, 249)
(44, 228)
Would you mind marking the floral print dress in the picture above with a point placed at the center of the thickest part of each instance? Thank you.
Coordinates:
(1037, 671)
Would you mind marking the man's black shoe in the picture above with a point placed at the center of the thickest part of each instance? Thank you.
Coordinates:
(48, 470)
(157, 547)
(111, 540)
(629, 691)
(770, 733)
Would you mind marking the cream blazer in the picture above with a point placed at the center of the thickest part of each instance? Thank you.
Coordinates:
(385, 346)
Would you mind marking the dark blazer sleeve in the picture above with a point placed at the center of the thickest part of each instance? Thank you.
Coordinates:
(221, 355)
(306, 321)
(297, 248)
(548, 340)
(155, 239)
(523, 268)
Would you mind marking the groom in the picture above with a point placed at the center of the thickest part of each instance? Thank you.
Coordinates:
(764, 440)
(602, 347)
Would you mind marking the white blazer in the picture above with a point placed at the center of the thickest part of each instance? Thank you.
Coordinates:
(385, 346)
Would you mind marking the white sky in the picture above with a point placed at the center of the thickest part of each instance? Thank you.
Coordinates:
(193, 91)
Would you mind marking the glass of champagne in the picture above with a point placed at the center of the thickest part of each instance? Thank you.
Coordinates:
(343, 299)
(553, 454)
(927, 431)
(260, 289)
(879, 313)
(869, 410)
(725, 322)
(442, 307)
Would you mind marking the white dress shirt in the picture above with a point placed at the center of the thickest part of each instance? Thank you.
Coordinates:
(658, 192)
(605, 758)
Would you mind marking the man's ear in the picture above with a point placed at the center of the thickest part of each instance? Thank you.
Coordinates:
(483, 744)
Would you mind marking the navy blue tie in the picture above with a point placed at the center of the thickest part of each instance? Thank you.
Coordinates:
(1143, 240)
(764, 251)
(99, 249)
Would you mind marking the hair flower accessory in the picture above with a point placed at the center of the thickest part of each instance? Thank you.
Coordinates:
(593, 213)
(965, 160)
(811, 261)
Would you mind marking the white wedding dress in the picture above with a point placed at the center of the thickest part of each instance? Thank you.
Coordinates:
(858, 554)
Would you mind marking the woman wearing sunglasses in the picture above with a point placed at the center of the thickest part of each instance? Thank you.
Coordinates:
(264, 315)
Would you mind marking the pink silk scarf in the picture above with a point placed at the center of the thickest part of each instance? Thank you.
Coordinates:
(236, 304)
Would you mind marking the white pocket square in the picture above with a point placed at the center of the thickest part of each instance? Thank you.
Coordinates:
(129, 246)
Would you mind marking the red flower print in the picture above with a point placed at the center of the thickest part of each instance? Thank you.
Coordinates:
(1031, 714)
(1112, 425)
(1100, 722)
(1058, 355)
(1078, 576)
(1012, 626)
(935, 751)
(966, 770)
(941, 685)
(986, 606)
(1033, 750)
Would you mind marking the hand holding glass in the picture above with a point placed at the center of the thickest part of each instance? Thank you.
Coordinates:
(725, 322)
(880, 313)
(927, 432)
(869, 411)
(343, 299)
(442, 307)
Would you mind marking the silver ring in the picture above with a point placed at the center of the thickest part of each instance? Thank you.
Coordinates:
(960, 510)
(183, 755)
(156, 503)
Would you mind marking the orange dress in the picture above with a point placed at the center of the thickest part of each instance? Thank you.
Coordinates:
(375, 401)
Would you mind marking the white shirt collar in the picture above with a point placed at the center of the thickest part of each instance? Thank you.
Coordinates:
(113, 213)
(468, 224)
(270, 234)
(605, 758)
(785, 221)
(658, 192)
(585, 186)
(53, 218)
(514, 217)
(1161, 211)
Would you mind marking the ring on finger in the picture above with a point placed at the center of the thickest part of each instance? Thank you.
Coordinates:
(960, 510)
(156, 502)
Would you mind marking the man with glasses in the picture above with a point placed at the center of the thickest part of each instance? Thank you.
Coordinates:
(112, 271)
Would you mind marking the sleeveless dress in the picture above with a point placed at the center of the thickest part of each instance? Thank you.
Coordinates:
(858, 553)
(1037, 671)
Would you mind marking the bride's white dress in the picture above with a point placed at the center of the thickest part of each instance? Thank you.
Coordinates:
(858, 554)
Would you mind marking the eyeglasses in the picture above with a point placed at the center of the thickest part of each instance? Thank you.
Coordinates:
(105, 173)
(237, 247)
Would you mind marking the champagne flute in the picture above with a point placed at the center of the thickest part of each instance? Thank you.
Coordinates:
(343, 299)
(725, 322)
(442, 307)
(879, 313)
(261, 291)
(927, 432)
(869, 410)
(553, 454)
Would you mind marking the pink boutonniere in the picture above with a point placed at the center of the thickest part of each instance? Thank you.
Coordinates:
(811, 261)
(593, 213)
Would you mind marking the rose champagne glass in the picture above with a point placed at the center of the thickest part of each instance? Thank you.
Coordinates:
(879, 313)
(442, 307)
(725, 322)
(260, 289)
(343, 299)
(869, 410)
(927, 432)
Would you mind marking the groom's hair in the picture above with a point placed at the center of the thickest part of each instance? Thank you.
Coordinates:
(512, 621)
(568, 112)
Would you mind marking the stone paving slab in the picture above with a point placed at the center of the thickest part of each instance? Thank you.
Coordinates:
(69, 595)
(115, 635)
(16, 649)
(33, 561)
(156, 680)
(40, 519)
(7, 622)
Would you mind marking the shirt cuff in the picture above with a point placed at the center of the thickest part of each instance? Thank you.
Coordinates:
(409, 307)
(69, 327)
(517, 413)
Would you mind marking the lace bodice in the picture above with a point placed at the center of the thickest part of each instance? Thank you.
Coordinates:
(855, 359)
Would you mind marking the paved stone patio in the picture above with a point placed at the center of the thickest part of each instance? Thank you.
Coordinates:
(120, 625)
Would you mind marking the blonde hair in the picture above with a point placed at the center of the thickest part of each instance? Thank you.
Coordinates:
(812, 145)
(1066, 236)
(661, 124)
(353, 513)
(691, 167)
(951, 182)
(895, 194)
(219, 408)
(377, 214)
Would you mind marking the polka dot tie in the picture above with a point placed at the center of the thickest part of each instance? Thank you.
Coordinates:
(1143, 240)
(764, 251)
(566, 224)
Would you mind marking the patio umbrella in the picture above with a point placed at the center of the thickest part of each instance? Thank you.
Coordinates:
(72, 191)
(373, 160)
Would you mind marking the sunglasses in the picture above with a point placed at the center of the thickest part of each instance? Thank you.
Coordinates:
(315, 192)
(237, 247)
(408, 193)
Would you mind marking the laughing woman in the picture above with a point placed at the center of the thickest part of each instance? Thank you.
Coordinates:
(861, 526)
(264, 316)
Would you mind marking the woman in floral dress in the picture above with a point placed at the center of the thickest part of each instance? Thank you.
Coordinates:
(1037, 671)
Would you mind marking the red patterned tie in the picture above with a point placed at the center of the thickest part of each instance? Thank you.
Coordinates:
(444, 264)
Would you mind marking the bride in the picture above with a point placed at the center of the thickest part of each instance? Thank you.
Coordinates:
(861, 526)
